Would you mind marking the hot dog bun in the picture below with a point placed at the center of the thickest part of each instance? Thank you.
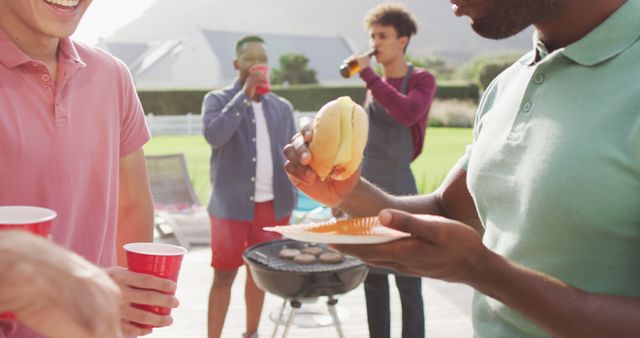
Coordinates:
(340, 131)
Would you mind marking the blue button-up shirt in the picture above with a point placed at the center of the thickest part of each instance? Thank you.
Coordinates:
(230, 128)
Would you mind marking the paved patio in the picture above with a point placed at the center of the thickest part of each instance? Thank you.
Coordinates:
(447, 308)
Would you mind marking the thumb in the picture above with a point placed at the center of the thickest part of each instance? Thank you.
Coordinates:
(424, 226)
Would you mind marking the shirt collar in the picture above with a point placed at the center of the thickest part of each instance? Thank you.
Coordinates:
(609, 39)
(12, 56)
(538, 53)
(237, 85)
(68, 53)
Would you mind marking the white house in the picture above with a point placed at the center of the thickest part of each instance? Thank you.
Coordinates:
(202, 59)
(189, 43)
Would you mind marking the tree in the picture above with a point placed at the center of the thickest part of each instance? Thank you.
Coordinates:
(484, 68)
(438, 66)
(489, 71)
(293, 70)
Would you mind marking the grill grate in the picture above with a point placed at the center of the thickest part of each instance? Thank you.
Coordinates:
(267, 254)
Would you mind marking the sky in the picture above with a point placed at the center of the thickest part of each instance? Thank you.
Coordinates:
(105, 16)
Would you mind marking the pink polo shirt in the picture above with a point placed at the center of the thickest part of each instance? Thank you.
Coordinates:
(61, 143)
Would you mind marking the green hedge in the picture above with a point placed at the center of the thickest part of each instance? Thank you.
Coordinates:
(312, 97)
(303, 97)
(458, 91)
(172, 102)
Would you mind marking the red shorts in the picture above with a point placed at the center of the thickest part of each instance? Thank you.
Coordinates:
(230, 238)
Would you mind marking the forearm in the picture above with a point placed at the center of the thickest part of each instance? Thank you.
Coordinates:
(452, 200)
(135, 206)
(10, 259)
(54, 291)
(368, 200)
(135, 224)
(407, 108)
(558, 308)
(221, 118)
(455, 200)
(28, 265)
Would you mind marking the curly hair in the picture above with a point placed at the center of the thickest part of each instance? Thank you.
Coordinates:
(392, 14)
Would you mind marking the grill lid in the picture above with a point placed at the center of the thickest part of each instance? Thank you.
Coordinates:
(267, 255)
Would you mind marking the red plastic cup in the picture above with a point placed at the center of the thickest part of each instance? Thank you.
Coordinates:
(157, 259)
(264, 87)
(35, 220)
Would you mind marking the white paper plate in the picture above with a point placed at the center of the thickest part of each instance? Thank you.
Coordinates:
(300, 232)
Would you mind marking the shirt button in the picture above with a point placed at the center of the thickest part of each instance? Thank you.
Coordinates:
(538, 79)
(253, 159)
(526, 107)
(46, 77)
(253, 120)
(253, 179)
(253, 139)
(250, 198)
(237, 114)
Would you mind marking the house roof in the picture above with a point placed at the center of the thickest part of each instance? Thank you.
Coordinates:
(333, 49)
(141, 56)
(440, 33)
(154, 54)
(127, 51)
(325, 53)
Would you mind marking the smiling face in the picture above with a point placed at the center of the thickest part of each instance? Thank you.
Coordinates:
(387, 44)
(43, 18)
(499, 19)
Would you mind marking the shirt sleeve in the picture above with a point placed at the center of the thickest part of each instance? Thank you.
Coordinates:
(406, 109)
(134, 132)
(463, 162)
(222, 113)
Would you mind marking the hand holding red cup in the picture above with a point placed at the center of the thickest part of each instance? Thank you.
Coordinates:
(35, 220)
(160, 260)
(265, 86)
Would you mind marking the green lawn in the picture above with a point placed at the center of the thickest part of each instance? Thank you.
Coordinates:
(442, 148)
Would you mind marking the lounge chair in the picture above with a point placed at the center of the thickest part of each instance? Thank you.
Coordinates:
(175, 202)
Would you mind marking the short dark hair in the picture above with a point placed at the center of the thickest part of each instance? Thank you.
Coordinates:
(247, 38)
(391, 14)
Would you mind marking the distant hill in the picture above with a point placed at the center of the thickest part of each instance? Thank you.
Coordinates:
(440, 32)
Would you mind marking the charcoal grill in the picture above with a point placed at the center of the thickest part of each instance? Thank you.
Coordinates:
(294, 281)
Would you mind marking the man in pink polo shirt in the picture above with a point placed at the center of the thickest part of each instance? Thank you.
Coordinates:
(71, 136)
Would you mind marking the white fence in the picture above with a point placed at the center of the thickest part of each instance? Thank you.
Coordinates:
(189, 124)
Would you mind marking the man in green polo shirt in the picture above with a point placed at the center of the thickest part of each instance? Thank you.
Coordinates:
(542, 214)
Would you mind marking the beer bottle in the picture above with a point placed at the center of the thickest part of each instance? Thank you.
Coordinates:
(349, 69)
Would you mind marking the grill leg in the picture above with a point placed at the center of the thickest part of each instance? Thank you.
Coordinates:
(275, 329)
(331, 304)
(295, 305)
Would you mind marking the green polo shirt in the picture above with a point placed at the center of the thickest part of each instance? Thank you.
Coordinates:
(554, 167)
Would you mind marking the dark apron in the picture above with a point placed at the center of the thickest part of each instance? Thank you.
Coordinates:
(389, 151)
(388, 155)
